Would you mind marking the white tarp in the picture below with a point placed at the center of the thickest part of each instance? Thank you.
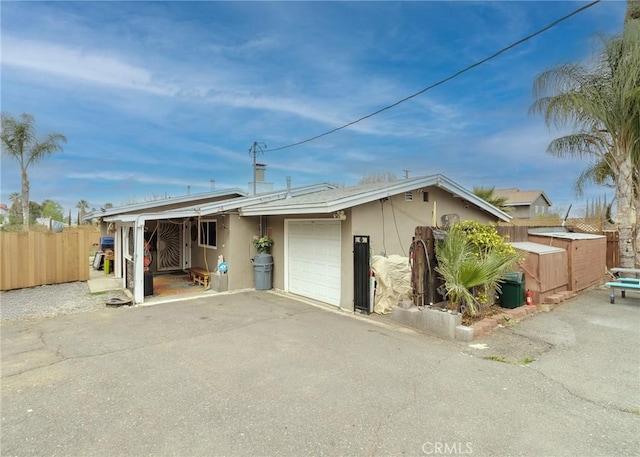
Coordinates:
(393, 275)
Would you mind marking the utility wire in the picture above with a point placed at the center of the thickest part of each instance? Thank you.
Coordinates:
(442, 81)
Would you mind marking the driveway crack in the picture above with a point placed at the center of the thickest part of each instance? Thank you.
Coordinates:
(582, 397)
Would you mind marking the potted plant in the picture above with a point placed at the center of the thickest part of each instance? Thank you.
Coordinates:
(263, 244)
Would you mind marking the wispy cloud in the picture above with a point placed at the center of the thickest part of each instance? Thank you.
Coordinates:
(76, 64)
(131, 178)
(162, 95)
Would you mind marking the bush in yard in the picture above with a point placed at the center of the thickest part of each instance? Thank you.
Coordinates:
(472, 260)
(484, 237)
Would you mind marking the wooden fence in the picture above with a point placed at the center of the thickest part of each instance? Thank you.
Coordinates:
(613, 249)
(37, 258)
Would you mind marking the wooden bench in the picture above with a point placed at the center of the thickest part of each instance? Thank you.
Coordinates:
(199, 275)
(622, 284)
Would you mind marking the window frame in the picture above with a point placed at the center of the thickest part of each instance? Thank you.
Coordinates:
(207, 222)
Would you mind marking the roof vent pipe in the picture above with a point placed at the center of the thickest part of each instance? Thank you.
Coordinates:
(288, 186)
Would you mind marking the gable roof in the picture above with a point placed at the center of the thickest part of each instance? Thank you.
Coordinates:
(517, 197)
(220, 206)
(158, 205)
(341, 198)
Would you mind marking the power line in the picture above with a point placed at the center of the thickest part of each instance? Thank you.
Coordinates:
(442, 81)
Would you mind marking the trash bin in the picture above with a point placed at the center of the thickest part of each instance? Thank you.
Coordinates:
(148, 283)
(512, 293)
(262, 271)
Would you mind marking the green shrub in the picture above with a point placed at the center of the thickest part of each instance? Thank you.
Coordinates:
(484, 237)
(472, 260)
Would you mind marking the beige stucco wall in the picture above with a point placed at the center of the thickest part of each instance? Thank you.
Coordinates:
(234, 243)
(368, 220)
(242, 231)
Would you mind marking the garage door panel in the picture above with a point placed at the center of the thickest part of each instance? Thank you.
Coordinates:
(313, 259)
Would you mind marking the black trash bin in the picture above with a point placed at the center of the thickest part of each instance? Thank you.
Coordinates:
(148, 283)
(512, 293)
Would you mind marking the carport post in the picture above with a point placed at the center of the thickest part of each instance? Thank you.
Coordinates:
(119, 271)
(138, 260)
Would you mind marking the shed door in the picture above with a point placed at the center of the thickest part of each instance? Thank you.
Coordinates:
(313, 259)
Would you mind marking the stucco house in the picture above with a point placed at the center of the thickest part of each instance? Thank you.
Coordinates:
(313, 229)
(525, 204)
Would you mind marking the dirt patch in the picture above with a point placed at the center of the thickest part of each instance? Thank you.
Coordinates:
(486, 311)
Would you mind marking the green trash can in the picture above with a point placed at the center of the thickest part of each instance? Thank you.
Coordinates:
(512, 293)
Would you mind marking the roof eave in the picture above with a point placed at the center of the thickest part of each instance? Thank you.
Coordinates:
(165, 201)
(395, 188)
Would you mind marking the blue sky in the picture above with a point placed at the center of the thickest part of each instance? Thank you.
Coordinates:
(158, 96)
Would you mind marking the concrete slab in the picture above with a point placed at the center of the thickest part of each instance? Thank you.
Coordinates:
(104, 284)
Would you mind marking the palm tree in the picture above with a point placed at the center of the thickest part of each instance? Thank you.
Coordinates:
(488, 195)
(633, 10)
(19, 140)
(602, 104)
(82, 205)
(464, 267)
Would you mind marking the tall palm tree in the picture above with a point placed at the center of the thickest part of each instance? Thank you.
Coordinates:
(633, 10)
(18, 139)
(82, 205)
(602, 103)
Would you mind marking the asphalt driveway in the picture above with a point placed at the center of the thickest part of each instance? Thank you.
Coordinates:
(262, 374)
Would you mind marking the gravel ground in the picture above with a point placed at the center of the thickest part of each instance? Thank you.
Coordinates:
(49, 301)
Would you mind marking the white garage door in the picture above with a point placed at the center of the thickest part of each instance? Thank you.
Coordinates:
(313, 259)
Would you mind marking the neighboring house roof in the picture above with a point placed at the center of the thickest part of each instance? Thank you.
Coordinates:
(157, 205)
(341, 198)
(4, 207)
(517, 197)
(221, 206)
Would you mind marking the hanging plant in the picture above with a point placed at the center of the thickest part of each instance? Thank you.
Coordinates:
(263, 244)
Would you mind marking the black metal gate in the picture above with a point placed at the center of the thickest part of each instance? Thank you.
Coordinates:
(361, 273)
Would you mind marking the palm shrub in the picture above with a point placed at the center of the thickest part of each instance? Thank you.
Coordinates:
(473, 257)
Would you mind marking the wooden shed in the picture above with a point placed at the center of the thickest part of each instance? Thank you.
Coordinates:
(545, 269)
(586, 255)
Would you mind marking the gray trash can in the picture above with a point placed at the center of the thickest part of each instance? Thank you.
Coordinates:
(262, 271)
